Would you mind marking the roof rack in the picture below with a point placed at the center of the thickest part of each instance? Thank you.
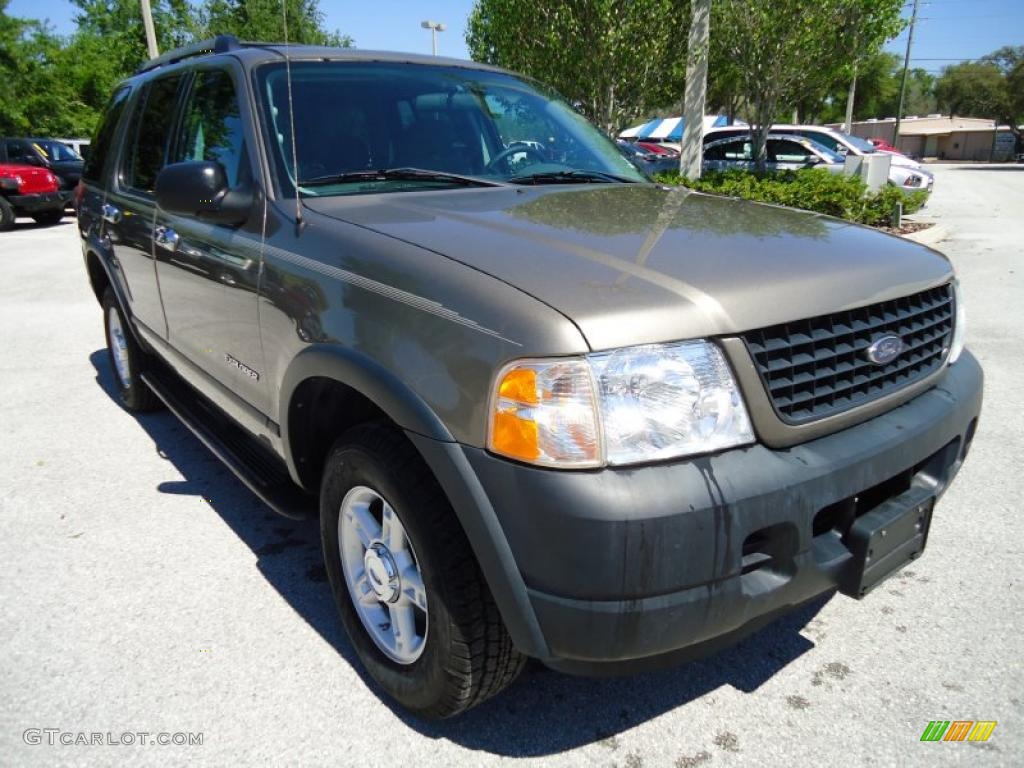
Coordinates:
(219, 44)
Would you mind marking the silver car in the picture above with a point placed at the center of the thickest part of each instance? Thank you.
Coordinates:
(784, 153)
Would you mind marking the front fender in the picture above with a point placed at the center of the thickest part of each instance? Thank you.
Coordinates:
(367, 377)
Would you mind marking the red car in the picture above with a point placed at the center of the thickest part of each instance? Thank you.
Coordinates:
(885, 146)
(658, 149)
(26, 190)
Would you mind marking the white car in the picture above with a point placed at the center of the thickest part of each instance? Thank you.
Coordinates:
(904, 173)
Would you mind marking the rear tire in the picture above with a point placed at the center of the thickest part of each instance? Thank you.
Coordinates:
(127, 360)
(461, 653)
(6, 215)
(49, 218)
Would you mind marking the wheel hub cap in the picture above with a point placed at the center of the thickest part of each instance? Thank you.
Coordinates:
(119, 348)
(383, 573)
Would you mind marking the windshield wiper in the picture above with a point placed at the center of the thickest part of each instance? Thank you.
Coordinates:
(568, 177)
(397, 174)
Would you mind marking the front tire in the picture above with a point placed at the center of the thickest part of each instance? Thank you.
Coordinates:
(7, 215)
(405, 581)
(126, 359)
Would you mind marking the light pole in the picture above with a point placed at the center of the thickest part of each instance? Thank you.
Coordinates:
(692, 144)
(147, 22)
(434, 27)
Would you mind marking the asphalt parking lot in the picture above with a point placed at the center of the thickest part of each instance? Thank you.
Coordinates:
(145, 590)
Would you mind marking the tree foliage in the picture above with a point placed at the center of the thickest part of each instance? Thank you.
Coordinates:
(58, 86)
(878, 92)
(786, 52)
(614, 60)
(992, 87)
(262, 20)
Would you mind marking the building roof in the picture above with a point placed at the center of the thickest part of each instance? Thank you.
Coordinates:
(936, 125)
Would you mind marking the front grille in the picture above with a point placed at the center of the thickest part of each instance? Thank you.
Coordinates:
(819, 367)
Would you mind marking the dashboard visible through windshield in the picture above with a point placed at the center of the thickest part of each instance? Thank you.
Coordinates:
(367, 127)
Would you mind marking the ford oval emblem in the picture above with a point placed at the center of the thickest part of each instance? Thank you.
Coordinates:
(885, 349)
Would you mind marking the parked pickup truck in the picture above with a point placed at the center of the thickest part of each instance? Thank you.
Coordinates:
(541, 407)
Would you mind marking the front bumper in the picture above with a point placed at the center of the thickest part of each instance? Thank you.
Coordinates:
(634, 567)
(37, 203)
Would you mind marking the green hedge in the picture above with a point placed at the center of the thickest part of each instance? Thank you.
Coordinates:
(812, 190)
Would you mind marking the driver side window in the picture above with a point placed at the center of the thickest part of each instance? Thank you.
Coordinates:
(212, 128)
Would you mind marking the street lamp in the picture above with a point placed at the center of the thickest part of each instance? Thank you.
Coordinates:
(434, 27)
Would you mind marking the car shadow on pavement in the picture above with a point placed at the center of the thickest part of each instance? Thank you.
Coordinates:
(542, 713)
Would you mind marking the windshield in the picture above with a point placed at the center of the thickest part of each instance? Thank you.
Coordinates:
(55, 151)
(832, 157)
(369, 116)
(861, 145)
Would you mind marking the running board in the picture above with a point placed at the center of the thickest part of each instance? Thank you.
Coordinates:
(261, 471)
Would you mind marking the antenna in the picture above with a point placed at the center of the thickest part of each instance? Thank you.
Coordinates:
(291, 120)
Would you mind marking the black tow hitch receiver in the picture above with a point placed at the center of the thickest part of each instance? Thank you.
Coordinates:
(885, 539)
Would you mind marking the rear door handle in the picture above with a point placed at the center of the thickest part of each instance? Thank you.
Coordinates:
(166, 238)
(111, 214)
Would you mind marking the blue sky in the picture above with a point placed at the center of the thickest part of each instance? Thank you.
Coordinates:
(947, 30)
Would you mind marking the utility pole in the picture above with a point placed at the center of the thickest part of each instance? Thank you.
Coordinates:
(849, 101)
(434, 28)
(147, 22)
(903, 84)
(848, 127)
(692, 151)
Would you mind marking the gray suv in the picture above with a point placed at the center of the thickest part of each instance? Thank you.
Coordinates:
(540, 406)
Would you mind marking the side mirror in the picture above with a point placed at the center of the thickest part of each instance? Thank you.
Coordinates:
(33, 160)
(813, 160)
(200, 188)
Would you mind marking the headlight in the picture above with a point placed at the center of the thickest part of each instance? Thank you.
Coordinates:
(956, 346)
(626, 406)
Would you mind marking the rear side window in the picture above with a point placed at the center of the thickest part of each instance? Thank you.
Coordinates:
(97, 158)
(152, 128)
(212, 129)
(20, 151)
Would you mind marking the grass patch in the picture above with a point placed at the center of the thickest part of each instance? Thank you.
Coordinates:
(846, 197)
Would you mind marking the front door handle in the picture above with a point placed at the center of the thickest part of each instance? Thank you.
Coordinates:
(111, 214)
(166, 238)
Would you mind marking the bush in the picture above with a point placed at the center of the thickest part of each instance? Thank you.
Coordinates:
(846, 197)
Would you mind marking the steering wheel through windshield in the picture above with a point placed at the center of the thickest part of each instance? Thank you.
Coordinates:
(508, 152)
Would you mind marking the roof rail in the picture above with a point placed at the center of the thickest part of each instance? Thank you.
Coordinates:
(219, 44)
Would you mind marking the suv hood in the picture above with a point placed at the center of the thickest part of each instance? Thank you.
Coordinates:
(642, 263)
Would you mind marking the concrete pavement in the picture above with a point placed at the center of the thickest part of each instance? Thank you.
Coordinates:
(145, 590)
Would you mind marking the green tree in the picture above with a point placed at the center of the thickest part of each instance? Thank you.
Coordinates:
(118, 24)
(262, 20)
(616, 61)
(59, 86)
(791, 52)
(992, 88)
